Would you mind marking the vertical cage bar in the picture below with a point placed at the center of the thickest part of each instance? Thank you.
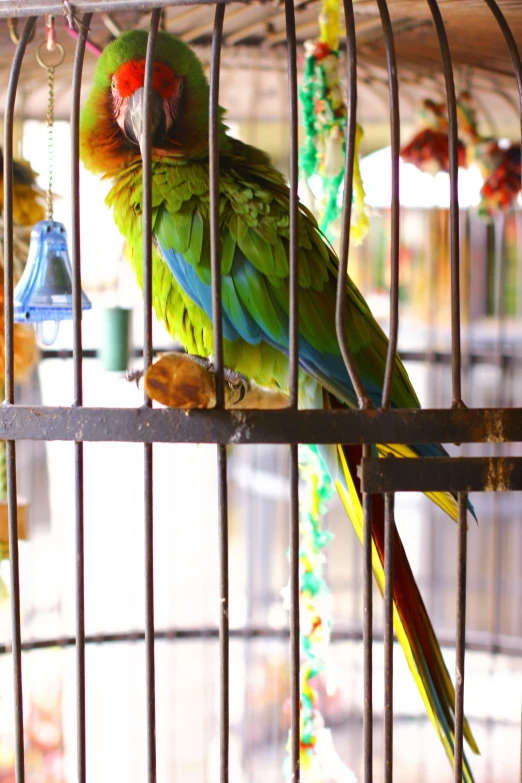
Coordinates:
(517, 67)
(9, 397)
(78, 399)
(461, 632)
(293, 346)
(500, 402)
(8, 205)
(224, 639)
(389, 499)
(367, 632)
(146, 154)
(395, 131)
(512, 47)
(453, 141)
(355, 377)
(293, 354)
(342, 280)
(215, 249)
(294, 617)
(389, 530)
(215, 238)
(520, 760)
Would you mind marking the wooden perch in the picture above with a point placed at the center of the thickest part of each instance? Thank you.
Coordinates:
(178, 381)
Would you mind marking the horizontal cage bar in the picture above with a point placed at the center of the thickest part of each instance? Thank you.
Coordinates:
(164, 425)
(477, 641)
(33, 8)
(442, 474)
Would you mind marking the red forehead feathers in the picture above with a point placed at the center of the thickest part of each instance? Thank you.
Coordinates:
(131, 75)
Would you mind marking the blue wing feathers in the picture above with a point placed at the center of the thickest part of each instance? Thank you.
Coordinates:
(251, 313)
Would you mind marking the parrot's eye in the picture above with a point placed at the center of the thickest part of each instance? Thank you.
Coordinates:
(113, 84)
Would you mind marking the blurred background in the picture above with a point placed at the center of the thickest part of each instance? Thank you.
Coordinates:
(185, 516)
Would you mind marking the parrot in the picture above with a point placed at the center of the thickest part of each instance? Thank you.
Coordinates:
(28, 209)
(254, 203)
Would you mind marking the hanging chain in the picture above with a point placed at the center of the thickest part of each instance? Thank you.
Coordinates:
(50, 45)
(50, 143)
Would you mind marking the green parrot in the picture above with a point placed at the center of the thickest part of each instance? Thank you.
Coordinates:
(254, 222)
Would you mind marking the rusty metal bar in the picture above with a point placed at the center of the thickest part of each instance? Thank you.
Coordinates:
(8, 208)
(453, 142)
(512, 47)
(293, 341)
(395, 131)
(436, 357)
(342, 280)
(367, 633)
(40, 7)
(294, 615)
(389, 500)
(355, 377)
(78, 398)
(9, 397)
(224, 631)
(148, 495)
(460, 646)
(389, 530)
(215, 229)
(143, 425)
(497, 533)
(478, 641)
(517, 67)
(217, 322)
(293, 355)
(443, 474)
(501, 398)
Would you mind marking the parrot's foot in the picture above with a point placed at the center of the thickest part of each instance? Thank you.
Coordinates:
(134, 375)
(239, 385)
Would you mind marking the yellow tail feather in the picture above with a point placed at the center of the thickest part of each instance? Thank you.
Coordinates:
(352, 504)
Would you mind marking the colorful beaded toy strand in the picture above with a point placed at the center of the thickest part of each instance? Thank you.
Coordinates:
(322, 155)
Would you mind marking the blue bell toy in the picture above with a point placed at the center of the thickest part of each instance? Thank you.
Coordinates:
(44, 292)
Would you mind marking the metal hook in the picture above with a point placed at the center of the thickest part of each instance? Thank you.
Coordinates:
(12, 26)
(69, 14)
(51, 32)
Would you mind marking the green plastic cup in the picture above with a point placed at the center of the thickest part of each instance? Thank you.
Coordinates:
(114, 351)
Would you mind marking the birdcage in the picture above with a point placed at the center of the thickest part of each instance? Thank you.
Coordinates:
(471, 389)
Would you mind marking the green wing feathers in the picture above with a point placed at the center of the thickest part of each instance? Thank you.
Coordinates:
(254, 209)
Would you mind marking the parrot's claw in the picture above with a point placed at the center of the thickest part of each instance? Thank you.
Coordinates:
(239, 384)
(134, 375)
(203, 361)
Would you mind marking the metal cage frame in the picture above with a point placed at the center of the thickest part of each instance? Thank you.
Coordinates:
(365, 426)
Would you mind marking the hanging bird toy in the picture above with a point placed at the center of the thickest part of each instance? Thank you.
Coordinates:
(320, 762)
(429, 148)
(497, 161)
(44, 292)
(324, 112)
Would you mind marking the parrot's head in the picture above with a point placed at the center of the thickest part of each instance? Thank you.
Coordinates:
(127, 100)
(112, 119)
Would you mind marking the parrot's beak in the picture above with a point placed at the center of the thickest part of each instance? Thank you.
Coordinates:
(134, 120)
